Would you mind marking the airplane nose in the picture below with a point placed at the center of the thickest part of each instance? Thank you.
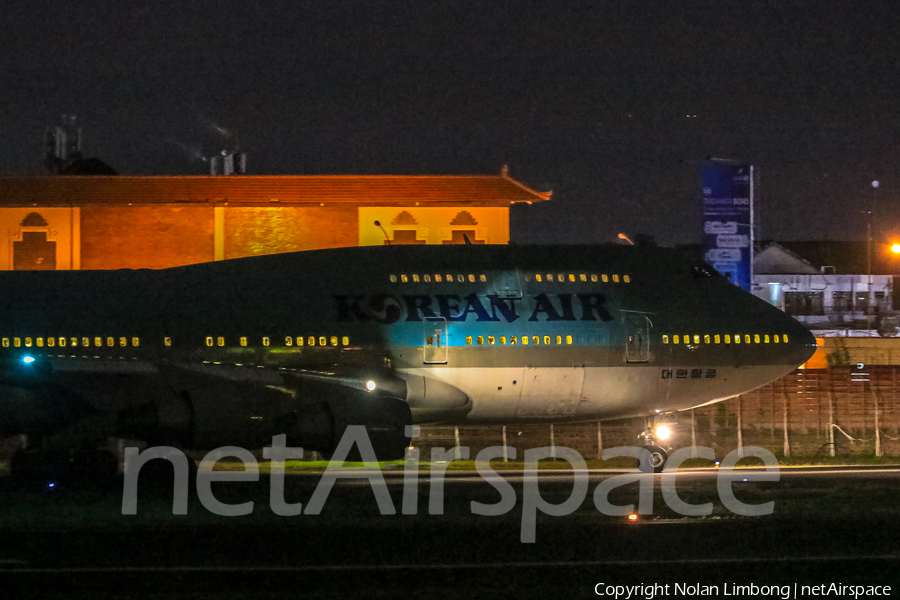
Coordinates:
(803, 344)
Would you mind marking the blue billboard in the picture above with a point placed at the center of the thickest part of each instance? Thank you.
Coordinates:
(728, 220)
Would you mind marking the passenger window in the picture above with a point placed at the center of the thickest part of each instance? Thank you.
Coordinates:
(490, 340)
(513, 340)
(727, 338)
(481, 340)
(17, 342)
(393, 279)
(299, 340)
(537, 278)
(123, 341)
(167, 341)
(471, 278)
(220, 341)
(785, 338)
(615, 279)
(288, 341)
(536, 340)
(560, 278)
(74, 342)
(323, 341)
(582, 277)
(460, 278)
(86, 342)
(426, 278)
(706, 339)
(626, 279)
(482, 278)
(696, 339)
(209, 341)
(334, 340)
(468, 340)
(558, 340)
(568, 339)
(687, 339)
(345, 341)
(243, 341)
(502, 340)
(429, 340)
(665, 339)
(605, 278)
(766, 339)
(776, 338)
(756, 338)
(62, 342)
(39, 342)
(737, 339)
(524, 340)
(747, 338)
(110, 341)
(593, 279)
(449, 278)
(404, 278)
(550, 277)
(437, 278)
(310, 341)
(28, 342)
(51, 342)
(265, 341)
(676, 339)
(717, 338)
(572, 277)
(134, 342)
(415, 278)
(6, 342)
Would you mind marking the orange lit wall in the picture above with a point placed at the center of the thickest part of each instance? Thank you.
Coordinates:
(250, 231)
(135, 237)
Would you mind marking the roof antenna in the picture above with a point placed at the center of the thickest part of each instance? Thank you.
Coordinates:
(387, 239)
(468, 242)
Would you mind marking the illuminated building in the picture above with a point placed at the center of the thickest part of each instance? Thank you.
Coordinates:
(113, 222)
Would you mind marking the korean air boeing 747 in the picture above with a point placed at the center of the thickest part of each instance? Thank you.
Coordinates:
(305, 344)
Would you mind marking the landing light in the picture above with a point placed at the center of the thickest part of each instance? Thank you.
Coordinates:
(632, 517)
(28, 360)
(663, 432)
(370, 385)
(895, 248)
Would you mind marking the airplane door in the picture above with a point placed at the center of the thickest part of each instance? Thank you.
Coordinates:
(506, 284)
(436, 340)
(637, 338)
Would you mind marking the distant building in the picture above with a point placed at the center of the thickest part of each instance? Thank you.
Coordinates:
(113, 222)
(827, 284)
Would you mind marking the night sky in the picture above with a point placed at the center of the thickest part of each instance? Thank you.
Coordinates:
(609, 104)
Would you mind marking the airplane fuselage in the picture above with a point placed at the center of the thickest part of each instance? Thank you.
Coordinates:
(463, 334)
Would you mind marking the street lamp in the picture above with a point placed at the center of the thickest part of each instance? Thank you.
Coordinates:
(869, 261)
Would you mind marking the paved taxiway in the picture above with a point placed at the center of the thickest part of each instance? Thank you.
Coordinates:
(834, 524)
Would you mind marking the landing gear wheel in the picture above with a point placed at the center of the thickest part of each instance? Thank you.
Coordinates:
(658, 458)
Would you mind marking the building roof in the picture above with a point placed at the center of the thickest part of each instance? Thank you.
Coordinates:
(843, 258)
(398, 190)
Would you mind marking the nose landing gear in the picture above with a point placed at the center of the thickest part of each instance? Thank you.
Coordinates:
(658, 454)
